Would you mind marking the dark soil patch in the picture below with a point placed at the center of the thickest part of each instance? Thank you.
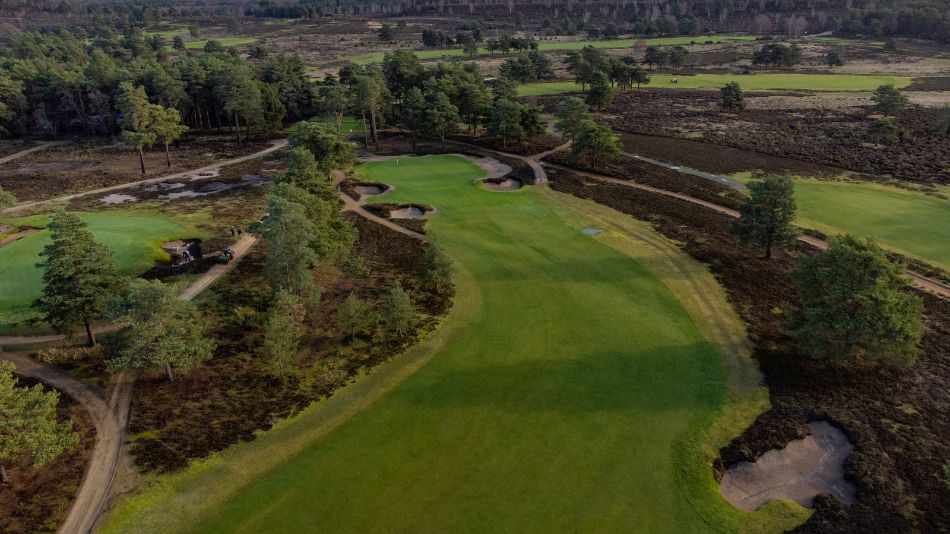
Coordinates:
(37, 499)
(661, 177)
(717, 159)
(824, 137)
(231, 397)
(50, 166)
(897, 419)
(930, 83)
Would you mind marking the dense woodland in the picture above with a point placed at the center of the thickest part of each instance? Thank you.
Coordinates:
(928, 19)
(56, 82)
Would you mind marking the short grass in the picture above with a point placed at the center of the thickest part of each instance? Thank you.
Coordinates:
(748, 82)
(225, 42)
(552, 46)
(349, 124)
(133, 237)
(567, 391)
(908, 222)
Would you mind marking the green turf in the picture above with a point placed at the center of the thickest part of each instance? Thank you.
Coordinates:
(908, 222)
(225, 42)
(566, 391)
(749, 82)
(134, 238)
(552, 46)
(347, 125)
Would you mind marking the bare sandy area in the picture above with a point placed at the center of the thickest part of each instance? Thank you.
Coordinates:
(803, 469)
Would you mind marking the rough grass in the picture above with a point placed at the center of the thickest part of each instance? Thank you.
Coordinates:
(749, 82)
(911, 223)
(552, 46)
(568, 390)
(134, 238)
(225, 42)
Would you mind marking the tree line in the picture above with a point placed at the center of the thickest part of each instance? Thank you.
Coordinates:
(55, 82)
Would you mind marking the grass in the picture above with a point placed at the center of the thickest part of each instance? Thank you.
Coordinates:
(564, 392)
(552, 46)
(134, 238)
(749, 82)
(911, 223)
(225, 42)
(348, 124)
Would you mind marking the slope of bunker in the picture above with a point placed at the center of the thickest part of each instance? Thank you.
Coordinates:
(565, 368)
(803, 469)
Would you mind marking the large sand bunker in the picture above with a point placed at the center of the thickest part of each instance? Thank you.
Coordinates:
(410, 211)
(368, 189)
(799, 472)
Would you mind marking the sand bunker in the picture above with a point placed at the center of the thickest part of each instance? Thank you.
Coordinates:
(493, 168)
(368, 189)
(54, 166)
(412, 211)
(117, 198)
(591, 231)
(502, 184)
(799, 472)
(162, 186)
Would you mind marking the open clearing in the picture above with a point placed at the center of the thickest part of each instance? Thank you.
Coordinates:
(908, 222)
(552, 46)
(565, 367)
(749, 82)
(224, 41)
(134, 237)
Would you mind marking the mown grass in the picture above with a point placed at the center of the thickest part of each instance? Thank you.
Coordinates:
(749, 82)
(225, 42)
(134, 238)
(911, 223)
(556, 396)
(553, 46)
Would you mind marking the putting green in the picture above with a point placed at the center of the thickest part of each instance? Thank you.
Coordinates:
(908, 222)
(749, 82)
(133, 237)
(567, 390)
(554, 46)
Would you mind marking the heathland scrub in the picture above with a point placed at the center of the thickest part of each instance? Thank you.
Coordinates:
(768, 81)
(568, 389)
(908, 222)
(558, 45)
(134, 237)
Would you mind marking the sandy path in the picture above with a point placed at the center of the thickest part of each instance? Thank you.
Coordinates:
(275, 145)
(18, 235)
(718, 178)
(919, 280)
(28, 151)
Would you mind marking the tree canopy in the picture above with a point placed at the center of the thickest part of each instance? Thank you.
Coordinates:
(766, 217)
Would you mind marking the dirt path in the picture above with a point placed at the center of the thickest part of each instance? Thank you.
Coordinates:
(357, 207)
(111, 417)
(919, 280)
(718, 178)
(28, 151)
(275, 145)
(18, 235)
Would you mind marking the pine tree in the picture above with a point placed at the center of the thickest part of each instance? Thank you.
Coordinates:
(435, 271)
(766, 217)
(78, 275)
(282, 335)
(855, 306)
(29, 429)
(398, 310)
(572, 112)
(164, 331)
(354, 317)
(137, 117)
(731, 95)
(167, 127)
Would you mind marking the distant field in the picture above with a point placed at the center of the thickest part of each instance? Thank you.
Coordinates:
(168, 34)
(133, 237)
(749, 82)
(225, 41)
(911, 223)
(549, 46)
(842, 40)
